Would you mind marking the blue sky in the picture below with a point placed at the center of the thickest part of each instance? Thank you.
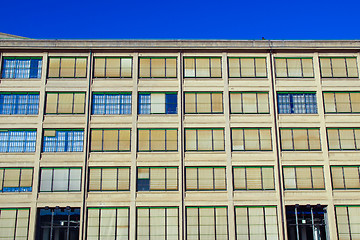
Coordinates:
(186, 19)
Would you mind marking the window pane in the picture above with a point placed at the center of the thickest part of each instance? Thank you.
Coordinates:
(352, 179)
(342, 102)
(206, 181)
(314, 139)
(318, 177)
(325, 66)
(191, 139)
(158, 140)
(96, 140)
(303, 177)
(144, 67)
(237, 139)
(113, 67)
(65, 103)
(158, 103)
(347, 139)
(218, 139)
(234, 67)
(204, 103)
(189, 70)
(124, 140)
(249, 103)
(61, 180)
(329, 101)
(265, 139)
(171, 140)
(247, 67)
(144, 140)
(67, 67)
(289, 178)
(126, 64)
(307, 66)
(54, 67)
(355, 102)
(338, 67)
(260, 64)
(281, 69)
(236, 102)
(202, 67)
(158, 67)
(217, 104)
(239, 178)
(333, 139)
(205, 140)
(216, 67)
(351, 67)
(171, 67)
(99, 67)
(109, 177)
(80, 67)
(286, 139)
(253, 178)
(190, 106)
(94, 179)
(111, 140)
(79, 103)
(263, 102)
(294, 67)
(51, 103)
(300, 139)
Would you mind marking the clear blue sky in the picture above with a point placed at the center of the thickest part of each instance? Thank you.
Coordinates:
(186, 19)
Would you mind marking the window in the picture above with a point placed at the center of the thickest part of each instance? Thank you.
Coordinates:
(21, 67)
(60, 223)
(114, 103)
(112, 67)
(157, 179)
(16, 179)
(206, 223)
(197, 67)
(249, 102)
(108, 223)
(334, 67)
(294, 67)
(345, 177)
(109, 179)
(342, 102)
(110, 140)
(158, 103)
(157, 140)
(254, 178)
(296, 102)
(204, 102)
(303, 177)
(65, 103)
(300, 139)
(17, 140)
(347, 221)
(251, 139)
(14, 223)
(63, 140)
(256, 222)
(205, 178)
(67, 67)
(343, 138)
(204, 139)
(157, 67)
(247, 67)
(60, 179)
(155, 223)
(19, 103)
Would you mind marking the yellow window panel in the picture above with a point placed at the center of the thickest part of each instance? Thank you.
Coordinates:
(26, 177)
(218, 140)
(281, 70)
(314, 139)
(300, 139)
(204, 103)
(65, 104)
(12, 177)
(247, 67)
(51, 103)
(252, 139)
(249, 103)
(113, 67)
(157, 179)
(337, 177)
(190, 103)
(338, 67)
(171, 140)
(217, 103)
(96, 140)
(144, 67)
(333, 139)
(54, 67)
(80, 67)
(216, 67)
(220, 178)
(109, 176)
(235, 103)
(190, 139)
(289, 177)
(158, 67)
(172, 179)
(303, 177)
(325, 67)
(347, 139)
(123, 179)
(126, 64)
(202, 67)
(79, 103)
(171, 67)
(268, 178)
(67, 67)
(206, 179)
(352, 179)
(158, 140)
(111, 138)
(329, 101)
(191, 179)
(265, 139)
(263, 102)
(234, 67)
(294, 67)
(318, 177)
(307, 67)
(124, 140)
(260, 64)
(342, 102)
(355, 102)
(253, 178)
(352, 70)
(189, 67)
(99, 67)
(286, 139)
(144, 140)
(237, 139)
(204, 140)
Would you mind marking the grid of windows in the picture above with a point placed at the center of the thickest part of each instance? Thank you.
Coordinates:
(303, 177)
(300, 139)
(109, 179)
(17, 140)
(206, 223)
(205, 178)
(19, 103)
(254, 178)
(251, 139)
(343, 138)
(14, 223)
(65, 103)
(60, 180)
(256, 222)
(111, 103)
(197, 67)
(247, 67)
(108, 223)
(157, 67)
(334, 67)
(204, 139)
(157, 103)
(63, 140)
(16, 179)
(249, 102)
(157, 140)
(204, 102)
(157, 179)
(347, 221)
(67, 67)
(112, 67)
(21, 67)
(345, 177)
(294, 67)
(342, 102)
(296, 102)
(110, 140)
(155, 223)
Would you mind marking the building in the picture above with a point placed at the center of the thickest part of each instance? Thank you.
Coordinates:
(179, 139)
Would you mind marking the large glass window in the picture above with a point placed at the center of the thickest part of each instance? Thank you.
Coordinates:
(17, 140)
(65, 103)
(204, 139)
(345, 177)
(19, 103)
(14, 223)
(16, 179)
(247, 67)
(21, 67)
(251, 139)
(63, 140)
(157, 67)
(206, 67)
(112, 67)
(112, 103)
(348, 222)
(108, 223)
(249, 102)
(296, 102)
(157, 140)
(254, 178)
(303, 177)
(294, 67)
(204, 102)
(338, 67)
(60, 180)
(205, 178)
(300, 139)
(67, 67)
(158, 103)
(109, 179)
(342, 102)
(110, 140)
(157, 179)
(343, 138)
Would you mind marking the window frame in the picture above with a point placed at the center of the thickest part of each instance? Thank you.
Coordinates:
(67, 57)
(301, 68)
(336, 104)
(242, 102)
(166, 105)
(52, 179)
(195, 69)
(311, 180)
(165, 189)
(244, 140)
(58, 104)
(357, 148)
(25, 142)
(165, 67)
(292, 104)
(246, 178)
(331, 66)
(292, 140)
(212, 139)
(165, 143)
(19, 187)
(65, 140)
(349, 223)
(18, 105)
(255, 67)
(214, 179)
(121, 67)
(40, 66)
(343, 179)
(107, 104)
(102, 139)
(196, 103)
(16, 219)
(101, 179)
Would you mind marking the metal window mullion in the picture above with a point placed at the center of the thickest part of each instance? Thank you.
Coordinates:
(75, 68)
(292, 138)
(242, 103)
(301, 68)
(308, 139)
(255, 68)
(265, 225)
(3, 181)
(59, 67)
(296, 182)
(350, 102)
(165, 144)
(150, 140)
(101, 179)
(197, 139)
(240, 68)
(195, 68)
(20, 175)
(331, 67)
(165, 67)
(197, 179)
(348, 218)
(248, 222)
(68, 180)
(118, 140)
(149, 223)
(311, 178)
(287, 68)
(213, 178)
(165, 187)
(261, 177)
(210, 67)
(244, 142)
(116, 214)
(102, 140)
(16, 217)
(334, 95)
(150, 73)
(215, 223)
(257, 101)
(246, 182)
(212, 139)
(99, 228)
(259, 139)
(117, 179)
(73, 103)
(354, 138)
(52, 180)
(346, 67)
(166, 213)
(211, 101)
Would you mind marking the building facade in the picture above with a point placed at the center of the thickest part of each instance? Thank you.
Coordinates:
(173, 140)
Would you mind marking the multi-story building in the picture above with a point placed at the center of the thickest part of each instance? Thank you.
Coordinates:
(117, 139)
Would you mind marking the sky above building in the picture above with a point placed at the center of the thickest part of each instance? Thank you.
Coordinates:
(186, 19)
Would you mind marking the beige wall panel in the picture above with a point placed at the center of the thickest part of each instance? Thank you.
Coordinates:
(301, 155)
(17, 198)
(303, 196)
(109, 157)
(211, 196)
(205, 156)
(112, 84)
(97, 198)
(270, 195)
(173, 196)
(108, 121)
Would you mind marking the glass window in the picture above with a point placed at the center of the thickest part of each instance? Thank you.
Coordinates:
(157, 140)
(60, 180)
(19, 103)
(204, 139)
(157, 179)
(247, 67)
(203, 102)
(294, 67)
(112, 103)
(205, 178)
(157, 67)
(249, 102)
(158, 103)
(198, 67)
(343, 138)
(67, 67)
(21, 67)
(109, 179)
(17, 140)
(297, 103)
(345, 177)
(254, 178)
(342, 102)
(348, 222)
(303, 177)
(112, 67)
(16, 179)
(63, 140)
(300, 139)
(251, 139)
(14, 223)
(338, 67)
(110, 140)
(65, 103)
